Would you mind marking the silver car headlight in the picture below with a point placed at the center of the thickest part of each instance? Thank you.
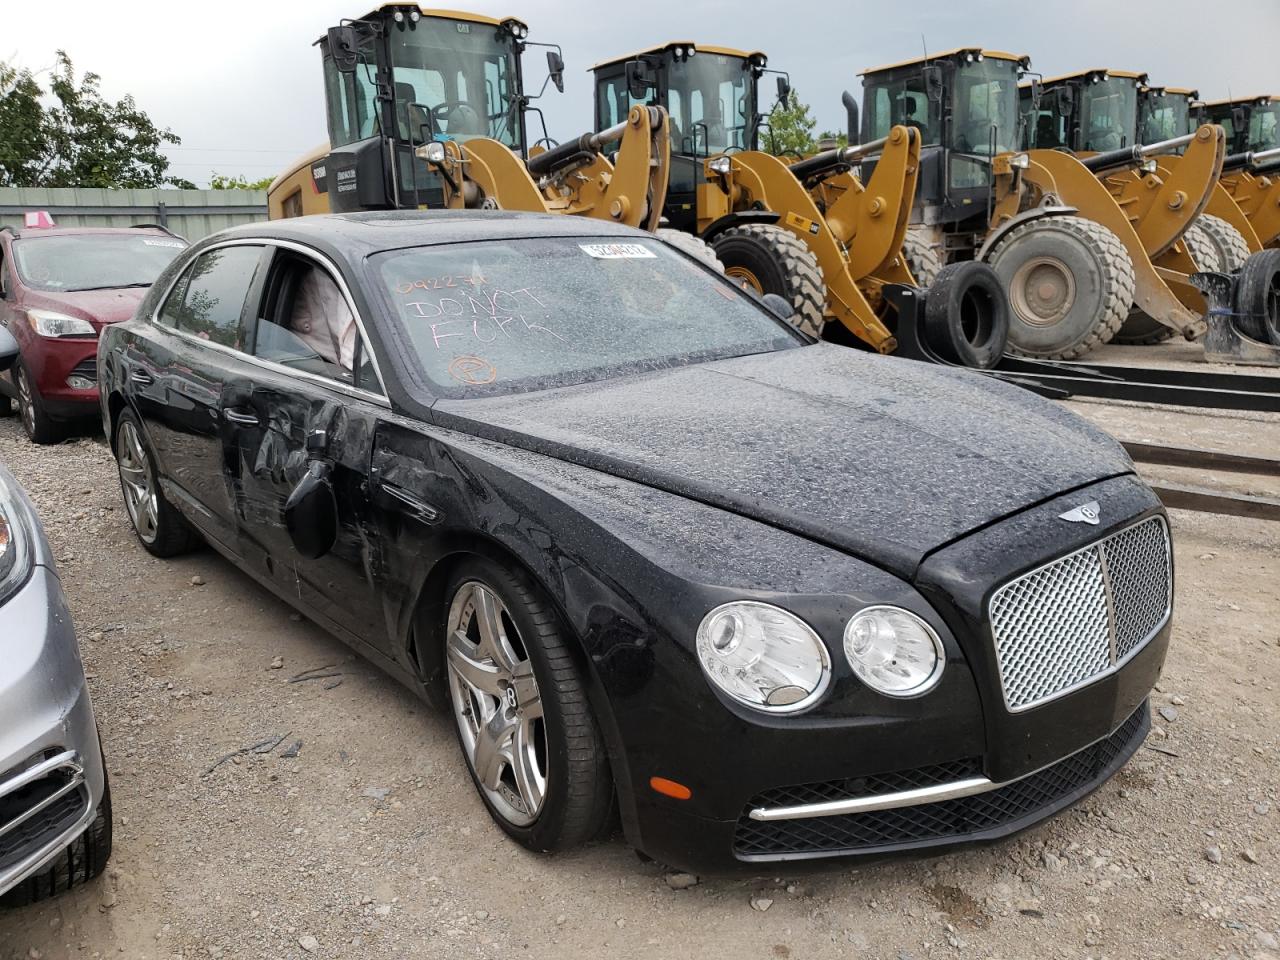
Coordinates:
(47, 323)
(15, 543)
(893, 651)
(763, 656)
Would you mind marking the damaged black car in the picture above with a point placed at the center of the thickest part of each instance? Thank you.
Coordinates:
(653, 549)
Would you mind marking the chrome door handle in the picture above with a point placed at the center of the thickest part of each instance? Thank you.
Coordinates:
(142, 377)
(241, 419)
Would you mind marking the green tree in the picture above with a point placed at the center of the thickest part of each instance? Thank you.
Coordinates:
(80, 139)
(790, 128)
(220, 181)
(841, 139)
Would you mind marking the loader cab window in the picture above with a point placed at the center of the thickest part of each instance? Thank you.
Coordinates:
(1165, 116)
(351, 99)
(711, 101)
(985, 114)
(900, 100)
(1109, 113)
(455, 80)
(1264, 128)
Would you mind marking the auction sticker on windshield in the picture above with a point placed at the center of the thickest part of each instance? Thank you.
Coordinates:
(617, 251)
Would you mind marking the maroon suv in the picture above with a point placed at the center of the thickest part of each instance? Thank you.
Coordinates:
(58, 289)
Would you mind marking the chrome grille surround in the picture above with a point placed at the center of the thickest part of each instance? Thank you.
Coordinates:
(1081, 616)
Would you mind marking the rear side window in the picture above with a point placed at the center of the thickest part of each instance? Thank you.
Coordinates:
(209, 299)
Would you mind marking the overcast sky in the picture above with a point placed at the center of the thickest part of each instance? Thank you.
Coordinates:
(240, 81)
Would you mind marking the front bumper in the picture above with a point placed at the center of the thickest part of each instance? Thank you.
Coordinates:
(869, 777)
(51, 769)
(53, 362)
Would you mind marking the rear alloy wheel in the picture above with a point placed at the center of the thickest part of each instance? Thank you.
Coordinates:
(768, 259)
(1258, 297)
(160, 527)
(37, 424)
(1139, 328)
(1232, 247)
(1070, 284)
(695, 247)
(966, 315)
(530, 741)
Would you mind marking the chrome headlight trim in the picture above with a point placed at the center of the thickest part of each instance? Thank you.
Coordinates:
(940, 654)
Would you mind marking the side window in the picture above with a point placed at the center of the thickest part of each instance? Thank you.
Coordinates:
(213, 295)
(307, 324)
(4, 275)
(168, 313)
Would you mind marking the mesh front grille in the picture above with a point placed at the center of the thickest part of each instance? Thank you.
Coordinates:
(1073, 620)
(946, 820)
(18, 840)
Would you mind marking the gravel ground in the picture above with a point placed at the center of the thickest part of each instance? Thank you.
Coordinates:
(368, 841)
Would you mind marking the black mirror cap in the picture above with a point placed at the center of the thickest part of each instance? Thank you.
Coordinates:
(639, 79)
(311, 512)
(555, 67)
(784, 92)
(344, 47)
(779, 306)
(8, 349)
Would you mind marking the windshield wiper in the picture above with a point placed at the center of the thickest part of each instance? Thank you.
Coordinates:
(109, 286)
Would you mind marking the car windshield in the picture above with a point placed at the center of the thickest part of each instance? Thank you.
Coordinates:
(93, 261)
(527, 314)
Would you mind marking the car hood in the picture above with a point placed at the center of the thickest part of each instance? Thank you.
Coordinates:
(99, 307)
(885, 458)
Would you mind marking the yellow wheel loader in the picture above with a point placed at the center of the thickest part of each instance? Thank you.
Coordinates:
(1252, 173)
(835, 254)
(427, 108)
(1066, 250)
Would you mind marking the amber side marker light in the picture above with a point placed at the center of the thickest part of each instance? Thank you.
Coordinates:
(669, 788)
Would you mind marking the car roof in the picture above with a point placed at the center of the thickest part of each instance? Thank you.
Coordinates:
(358, 234)
(32, 233)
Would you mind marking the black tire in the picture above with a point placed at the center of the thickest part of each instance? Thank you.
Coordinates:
(923, 259)
(1088, 281)
(966, 315)
(6, 405)
(1139, 329)
(173, 535)
(36, 422)
(83, 859)
(579, 785)
(695, 247)
(1258, 297)
(771, 260)
(1232, 247)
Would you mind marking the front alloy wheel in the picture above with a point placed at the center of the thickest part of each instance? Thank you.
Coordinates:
(496, 704)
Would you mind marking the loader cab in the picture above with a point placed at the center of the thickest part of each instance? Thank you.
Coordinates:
(1088, 112)
(965, 104)
(711, 97)
(1252, 124)
(1165, 113)
(401, 76)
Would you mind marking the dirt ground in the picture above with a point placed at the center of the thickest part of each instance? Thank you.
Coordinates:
(370, 842)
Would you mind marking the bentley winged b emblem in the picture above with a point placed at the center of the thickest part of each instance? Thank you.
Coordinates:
(1085, 513)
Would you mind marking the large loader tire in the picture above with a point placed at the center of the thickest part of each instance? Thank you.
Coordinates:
(770, 260)
(966, 315)
(1070, 284)
(695, 247)
(1258, 297)
(1140, 329)
(923, 260)
(1232, 247)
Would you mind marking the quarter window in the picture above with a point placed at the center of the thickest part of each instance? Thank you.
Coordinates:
(209, 299)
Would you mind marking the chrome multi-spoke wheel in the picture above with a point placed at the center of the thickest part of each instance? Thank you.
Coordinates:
(496, 703)
(26, 406)
(137, 483)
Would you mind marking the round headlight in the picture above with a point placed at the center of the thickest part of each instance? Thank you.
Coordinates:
(763, 656)
(893, 651)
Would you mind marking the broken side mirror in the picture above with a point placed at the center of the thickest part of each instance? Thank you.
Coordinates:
(784, 91)
(639, 79)
(344, 47)
(555, 68)
(311, 512)
(780, 307)
(8, 349)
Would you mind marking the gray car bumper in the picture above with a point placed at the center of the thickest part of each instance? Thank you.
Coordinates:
(51, 770)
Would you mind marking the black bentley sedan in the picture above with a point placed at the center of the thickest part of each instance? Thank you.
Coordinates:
(645, 542)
